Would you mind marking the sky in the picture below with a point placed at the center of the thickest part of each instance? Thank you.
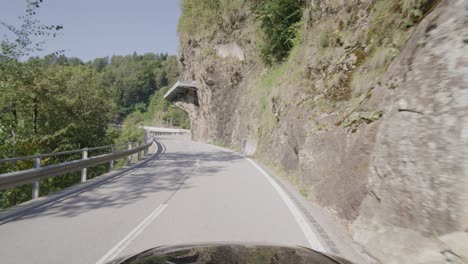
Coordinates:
(99, 28)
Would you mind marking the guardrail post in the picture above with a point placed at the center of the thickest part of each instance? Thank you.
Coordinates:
(84, 155)
(139, 152)
(146, 135)
(111, 163)
(145, 151)
(129, 157)
(35, 189)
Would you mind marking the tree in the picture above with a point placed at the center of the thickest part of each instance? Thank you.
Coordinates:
(100, 63)
(57, 103)
(25, 42)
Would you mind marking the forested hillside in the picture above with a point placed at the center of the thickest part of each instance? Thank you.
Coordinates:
(133, 79)
(56, 103)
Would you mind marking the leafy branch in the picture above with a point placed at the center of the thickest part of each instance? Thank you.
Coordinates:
(24, 42)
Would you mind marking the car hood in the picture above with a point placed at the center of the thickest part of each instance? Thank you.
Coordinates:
(227, 253)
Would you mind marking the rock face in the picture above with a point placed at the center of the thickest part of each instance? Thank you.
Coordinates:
(420, 153)
(230, 50)
(418, 179)
(374, 130)
(220, 89)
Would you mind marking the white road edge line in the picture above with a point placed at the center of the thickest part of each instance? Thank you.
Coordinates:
(309, 234)
(117, 249)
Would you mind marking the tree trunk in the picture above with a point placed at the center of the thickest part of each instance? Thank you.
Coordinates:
(35, 115)
(13, 126)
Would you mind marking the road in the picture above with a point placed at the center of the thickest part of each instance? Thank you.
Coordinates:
(189, 193)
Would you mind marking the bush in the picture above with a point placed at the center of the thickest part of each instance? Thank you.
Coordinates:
(177, 117)
(198, 14)
(416, 9)
(131, 134)
(279, 21)
(162, 113)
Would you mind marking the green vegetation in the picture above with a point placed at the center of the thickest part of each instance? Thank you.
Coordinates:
(57, 103)
(133, 79)
(46, 108)
(159, 112)
(197, 14)
(303, 191)
(268, 82)
(416, 9)
(206, 17)
(26, 40)
(279, 21)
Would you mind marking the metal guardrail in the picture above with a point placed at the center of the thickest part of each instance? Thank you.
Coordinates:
(158, 131)
(167, 133)
(54, 154)
(34, 175)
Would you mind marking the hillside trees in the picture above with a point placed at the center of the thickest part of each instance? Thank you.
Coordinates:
(51, 104)
(58, 103)
(133, 79)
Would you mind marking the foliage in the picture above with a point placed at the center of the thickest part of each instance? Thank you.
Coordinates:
(131, 134)
(57, 103)
(47, 108)
(415, 9)
(176, 117)
(279, 21)
(134, 79)
(25, 37)
(207, 17)
(160, 112)
(196, 14)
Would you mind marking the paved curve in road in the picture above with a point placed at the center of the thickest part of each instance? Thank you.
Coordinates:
(189, 193)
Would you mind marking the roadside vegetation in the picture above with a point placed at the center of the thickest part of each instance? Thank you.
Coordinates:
(57, 103)
(279, 22)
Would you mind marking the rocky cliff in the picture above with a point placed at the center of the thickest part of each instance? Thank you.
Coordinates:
(368, 115)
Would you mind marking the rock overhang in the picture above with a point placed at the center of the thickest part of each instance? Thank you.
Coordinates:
(183, 91)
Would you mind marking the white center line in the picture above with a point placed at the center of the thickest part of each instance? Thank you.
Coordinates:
(117, 249)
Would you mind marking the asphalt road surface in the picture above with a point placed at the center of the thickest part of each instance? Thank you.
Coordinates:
(188, 192)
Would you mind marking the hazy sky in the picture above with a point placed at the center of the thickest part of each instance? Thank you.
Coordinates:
(98, 28)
